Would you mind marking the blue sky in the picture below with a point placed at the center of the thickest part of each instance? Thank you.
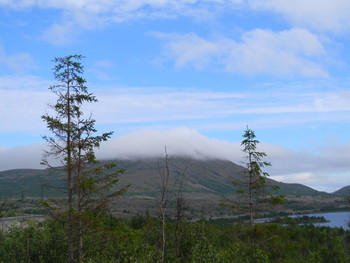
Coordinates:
(189, 75)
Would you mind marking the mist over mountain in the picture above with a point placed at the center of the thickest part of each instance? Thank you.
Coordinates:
(321, 171)
(212, 176)
(181, 141)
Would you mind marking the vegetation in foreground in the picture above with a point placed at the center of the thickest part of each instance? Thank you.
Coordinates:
(138, 239)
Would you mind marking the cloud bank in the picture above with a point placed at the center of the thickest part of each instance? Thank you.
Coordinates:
(324, 170)
(180, 141)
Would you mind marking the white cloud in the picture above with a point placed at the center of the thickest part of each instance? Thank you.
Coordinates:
(324, 15)
(305, 177)
(91, 13)
(18, 63)
(60, 35)
(180, 141)
(313, 169)
(189, 49)
(323, 169)
(290, 52)
(100, 69)
(142, 105)
(125, 106)
(299, 102)
(326, 168)
(280, 108)
(322, 181)
(286, 53)
(21, 157)
(21, 110)
(23, 100)
(104, 63)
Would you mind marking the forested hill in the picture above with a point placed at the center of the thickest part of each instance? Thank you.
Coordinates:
(207, 176)
(343, 191)
(197, 176)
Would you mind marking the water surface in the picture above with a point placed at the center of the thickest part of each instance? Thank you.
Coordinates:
(338, 219)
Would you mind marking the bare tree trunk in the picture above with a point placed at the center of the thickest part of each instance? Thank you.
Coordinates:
(164, 189)
(69, 183)
(250, 200)
(70, 219)
(163, 235)
(79, 192)
(251, 174)
(80, 223)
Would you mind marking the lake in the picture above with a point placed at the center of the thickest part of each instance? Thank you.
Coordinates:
(338, 219)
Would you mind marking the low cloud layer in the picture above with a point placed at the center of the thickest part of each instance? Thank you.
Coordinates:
(178, 142)
(324, 170)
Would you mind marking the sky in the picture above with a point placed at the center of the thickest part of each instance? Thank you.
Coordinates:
(189, 75)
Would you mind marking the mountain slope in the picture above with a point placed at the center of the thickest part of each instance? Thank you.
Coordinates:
(206, 176)
(343, 191)
(197, 176)
(204, 185)
(28, 182)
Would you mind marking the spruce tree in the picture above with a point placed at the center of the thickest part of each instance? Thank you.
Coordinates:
(88, 186)
(254, 192)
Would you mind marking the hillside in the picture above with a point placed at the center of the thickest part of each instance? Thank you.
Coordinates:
(197, 176)
(28, 182)
(204, 176)
(343, 191)
(204, 184)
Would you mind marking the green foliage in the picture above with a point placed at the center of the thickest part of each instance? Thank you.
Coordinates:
(135, 240)
(34, 243)
(299, 220)
(253, 190)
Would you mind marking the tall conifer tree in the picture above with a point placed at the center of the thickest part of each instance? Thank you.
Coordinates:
(88, 187)
(253, 189)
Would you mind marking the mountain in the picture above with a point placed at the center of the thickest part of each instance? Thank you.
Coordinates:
(343, 191)
(205, 176)
(204, 184)
(28, 182)
(197, 176)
